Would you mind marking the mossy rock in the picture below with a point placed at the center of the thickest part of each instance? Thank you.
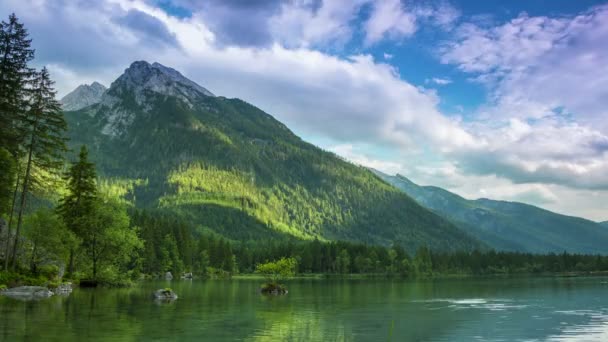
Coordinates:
(273, 289)
(165, 294)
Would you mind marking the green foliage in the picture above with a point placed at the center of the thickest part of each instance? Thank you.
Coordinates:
(170, 258)
(15, 54)
(277, 270)
(7, 180)
(14, 279)
(226, 165)
(78, 203)
(44, 144)
(109, 242)
(48, 240)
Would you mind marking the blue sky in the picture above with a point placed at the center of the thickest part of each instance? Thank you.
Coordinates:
(499, 99)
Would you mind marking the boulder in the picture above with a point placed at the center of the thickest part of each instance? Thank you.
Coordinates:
(165, 294)
(168, 276)
(187, 276)
(273, 289)
(63, 289)
(28, 292)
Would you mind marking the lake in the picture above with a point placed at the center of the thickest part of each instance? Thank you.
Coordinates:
(515, 309)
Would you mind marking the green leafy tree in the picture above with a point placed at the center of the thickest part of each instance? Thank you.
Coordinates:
(203, 262)
(109, 240)
(170, 257)
(423, 262)
(343, 262)
(406, 268)
(48, 237)
(392, 259)
(45, 140)
(77, 206)
(276, 270)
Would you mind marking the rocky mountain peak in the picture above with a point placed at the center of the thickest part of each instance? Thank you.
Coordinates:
(142, 77)
(83, 96)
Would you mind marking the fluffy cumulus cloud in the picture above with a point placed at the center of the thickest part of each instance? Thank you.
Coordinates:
(545, 120)
(538, 138)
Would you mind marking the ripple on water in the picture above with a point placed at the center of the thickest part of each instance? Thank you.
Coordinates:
(595, 329)
(492, 304)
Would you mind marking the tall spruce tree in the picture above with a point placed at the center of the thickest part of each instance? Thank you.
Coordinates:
(45, 141)
(78, 204)
(15, 54)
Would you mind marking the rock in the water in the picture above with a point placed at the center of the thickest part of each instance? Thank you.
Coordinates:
(63, 289)
(168, 276)
(165, 294)
(187, 276)
(28, 292)
(273, 289)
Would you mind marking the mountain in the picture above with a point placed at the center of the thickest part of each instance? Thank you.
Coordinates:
(168, 144)
(509, 226)
(83, 96)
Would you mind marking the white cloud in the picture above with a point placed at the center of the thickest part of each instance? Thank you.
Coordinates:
(387, 56)
(354, 155)
(439, 81)
(389, 19)
(301, 24)
(545, 120)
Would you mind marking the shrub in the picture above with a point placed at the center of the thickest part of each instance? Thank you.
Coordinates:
(49, 271)
(277, 270)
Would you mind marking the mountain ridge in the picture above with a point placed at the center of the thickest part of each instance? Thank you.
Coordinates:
(227, 166)
(510, 226)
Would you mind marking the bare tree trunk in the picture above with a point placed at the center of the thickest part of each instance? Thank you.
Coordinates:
(10, 223)
(71, 265)
(33, 267)
(26, 178)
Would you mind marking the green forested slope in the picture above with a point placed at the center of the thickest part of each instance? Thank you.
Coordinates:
(226, 165)
(509, 226)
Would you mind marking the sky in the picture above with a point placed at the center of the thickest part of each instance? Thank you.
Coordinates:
(497, 99)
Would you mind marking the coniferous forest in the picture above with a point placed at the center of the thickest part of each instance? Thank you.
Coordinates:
(66, 218)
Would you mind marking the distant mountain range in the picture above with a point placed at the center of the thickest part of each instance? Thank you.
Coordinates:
(509, 226)
(166, 143)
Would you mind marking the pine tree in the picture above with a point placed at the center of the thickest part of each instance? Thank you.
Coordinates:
(45, 142)
(79, 201)
(15, 54)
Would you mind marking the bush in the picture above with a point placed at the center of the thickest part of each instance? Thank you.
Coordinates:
(49, 271)
(277, 270)
(3, 287)
(13, 279)
(53, 284)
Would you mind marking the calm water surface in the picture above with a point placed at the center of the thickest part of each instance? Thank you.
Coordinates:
(539, 309)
